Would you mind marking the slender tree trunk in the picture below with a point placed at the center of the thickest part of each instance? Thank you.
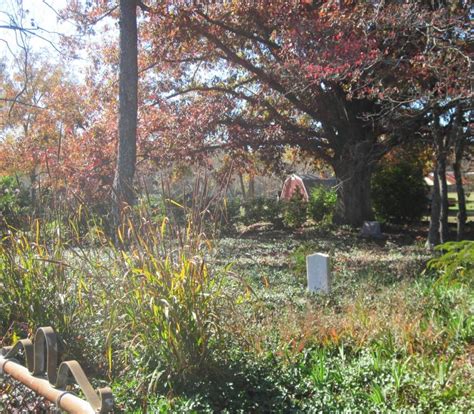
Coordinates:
(33, 191)
(123, 193)
(443, 195)
(440, 205)
(354, 204)
(242, 186)
(433, 233)
(251, 192)
(462, 214)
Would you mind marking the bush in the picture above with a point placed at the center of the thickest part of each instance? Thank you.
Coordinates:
(14, 201)
(322, 202)
(456, 262)
(399, 193)
(295, 211)
(260, 209)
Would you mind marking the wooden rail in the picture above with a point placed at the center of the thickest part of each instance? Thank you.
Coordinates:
(43, 376)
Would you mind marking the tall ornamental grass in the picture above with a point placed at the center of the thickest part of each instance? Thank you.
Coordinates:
(140, 304)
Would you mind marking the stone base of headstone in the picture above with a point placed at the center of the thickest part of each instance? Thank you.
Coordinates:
(318, 273)
(371, 229)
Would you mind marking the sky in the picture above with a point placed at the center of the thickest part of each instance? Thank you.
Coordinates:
(38, 16)
(41, 17)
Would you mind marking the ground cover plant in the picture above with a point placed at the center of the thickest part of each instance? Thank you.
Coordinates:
(236, 331)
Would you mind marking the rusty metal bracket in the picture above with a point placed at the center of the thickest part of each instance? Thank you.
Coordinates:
(43, 375)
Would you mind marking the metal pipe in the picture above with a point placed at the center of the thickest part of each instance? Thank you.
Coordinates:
(62, 399)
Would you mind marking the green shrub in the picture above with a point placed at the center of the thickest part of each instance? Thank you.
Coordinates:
(272, 212)
(456, 261)
(252, 210)
(295, 211)
(14, 201)
(399, 193)
(258, 209)
(322, 202)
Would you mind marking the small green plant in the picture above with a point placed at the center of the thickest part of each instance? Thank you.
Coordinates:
(377, 358)
(398, 373)
(322, 203)
(377, 394)
(319, 372)
(442, 369)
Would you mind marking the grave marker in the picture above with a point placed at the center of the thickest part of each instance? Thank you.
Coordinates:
(371, 229)
(318, 273)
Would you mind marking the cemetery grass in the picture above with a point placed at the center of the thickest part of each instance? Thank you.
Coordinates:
(245, 336)
(390, 336)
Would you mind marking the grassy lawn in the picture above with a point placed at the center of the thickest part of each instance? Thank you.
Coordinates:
(389, 336)
(386, 338)
(469, 207)
(453, 209)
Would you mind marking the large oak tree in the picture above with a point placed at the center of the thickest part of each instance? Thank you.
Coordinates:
(342, 80)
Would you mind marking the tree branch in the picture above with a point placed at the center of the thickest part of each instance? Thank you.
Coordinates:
(259, 72)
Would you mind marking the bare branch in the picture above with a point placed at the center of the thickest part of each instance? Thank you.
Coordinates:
(17, 101)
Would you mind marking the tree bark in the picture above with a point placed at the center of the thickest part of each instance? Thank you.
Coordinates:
(443, 196)
(123, 193)
(33, 191)
(251, 192)
(354, 204)
(439, 206)
(242, 187)
(462, 214)
(433, 233)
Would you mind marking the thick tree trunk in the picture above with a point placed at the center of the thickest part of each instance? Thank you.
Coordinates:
(462, 214)
(354, 204)
(443, 196)
(123, 194)
(433, 233)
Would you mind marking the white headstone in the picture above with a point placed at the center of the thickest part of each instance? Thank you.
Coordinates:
(318, 272)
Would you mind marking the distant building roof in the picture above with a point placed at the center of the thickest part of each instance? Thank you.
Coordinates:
(450, 179)
(311, 180)
(304, 183)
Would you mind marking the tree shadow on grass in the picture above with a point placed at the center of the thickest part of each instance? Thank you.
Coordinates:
(238, 383)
